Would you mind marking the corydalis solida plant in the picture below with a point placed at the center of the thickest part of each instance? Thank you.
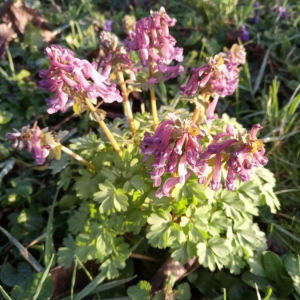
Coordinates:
(187, 156)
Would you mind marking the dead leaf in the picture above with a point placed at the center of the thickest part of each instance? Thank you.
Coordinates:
(6, 35)
(61, 279)
(17, 13)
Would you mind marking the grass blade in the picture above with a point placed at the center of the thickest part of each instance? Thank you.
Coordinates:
(113, 284)
(88, 274)
(292, 236)
(49, 233)
(90, 287)
(39, 288)
(10, 62)
(4, 294)
(23, 251)
(279, 138)
(246, 13)
(73, 279)
(261, 72)
(121, 298)
(106, 286)
(9, 164)
(294, 105)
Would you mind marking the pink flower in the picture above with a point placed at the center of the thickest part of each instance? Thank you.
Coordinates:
(218, 78)
(155, 44)
(73, 80)
(245, 151)
(176, 148)
(33, 140)
(39, 153)
(107, 26)
(215, 182)
(115, 57)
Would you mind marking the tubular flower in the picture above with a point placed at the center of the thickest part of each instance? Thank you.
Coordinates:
(156, 46)
(256, 19)
(282, 12)
(176, 147)
(40, 143)
(239, 152)
(218, 78)
(74, 80)
(245, 33)
(107, 26)
(115, 56)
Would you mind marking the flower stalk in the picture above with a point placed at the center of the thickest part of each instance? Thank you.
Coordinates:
(153, 102)
(77, 157)
(195, 115)
(126, 102)
(198, 113)
(105, 129)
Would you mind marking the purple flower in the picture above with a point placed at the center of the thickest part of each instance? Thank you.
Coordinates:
(218, 78)
(176, 148)
(245, 33)
(245, 152)
(215, 182)
(282, 12)
(169, 185)
(39, 153)
(256, 4)
(256, 19)
(36, 141)
(115, 56)
(156, 46)
(108, 25)
(73, 80)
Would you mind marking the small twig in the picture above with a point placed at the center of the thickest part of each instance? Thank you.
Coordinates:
(62, 122)
(77, 157)
(143, 257)
(127, 106)
(288, 217)
(23, 251)
(37, 240)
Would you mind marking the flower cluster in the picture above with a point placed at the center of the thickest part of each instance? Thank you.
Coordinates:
(218, 78)
(175, 146)
(115, 56)
(239, 152)
(74, 81)
(40, 143)
(156, 46)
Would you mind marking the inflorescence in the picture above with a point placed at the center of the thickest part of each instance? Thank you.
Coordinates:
(40, 143)
(179, 147)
